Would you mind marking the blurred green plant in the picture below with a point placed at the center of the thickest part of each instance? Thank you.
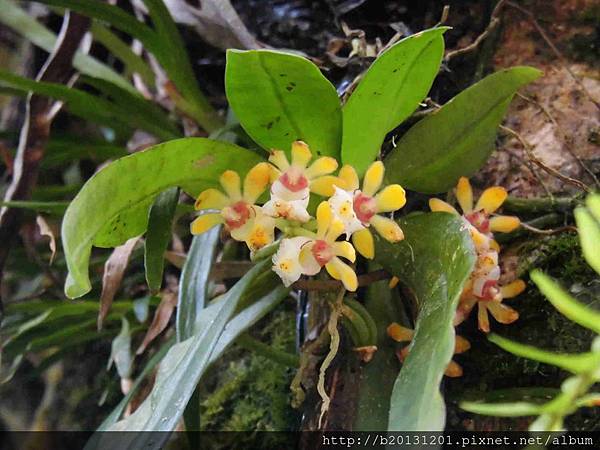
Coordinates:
(584, 367)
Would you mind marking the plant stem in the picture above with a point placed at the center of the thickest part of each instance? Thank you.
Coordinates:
(279, 356)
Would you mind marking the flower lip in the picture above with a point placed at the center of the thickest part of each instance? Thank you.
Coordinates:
(365, 207)
(322, 252)
(489, 291)
(237, 215)
(480, 220)
(294, 179)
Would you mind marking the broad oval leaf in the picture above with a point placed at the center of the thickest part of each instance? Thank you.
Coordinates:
(390, 91)
(457, 139)
(279, 98)
(434, 261)
(191, 163)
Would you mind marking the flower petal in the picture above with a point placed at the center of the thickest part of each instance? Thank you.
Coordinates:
(324, 218)
(391, 198)
(491, 199)
(230, 180)
(483, 320)
(286, 262)
(504, 224)
(350, 178)
(322, 166)
(325, 185)
(205, 222)
(387, 228)
(399, 333)
(278, 158)
(453, 370)
(373, 178)
(310, 266)
(345, 250)
(301, 153)
(211, 199)
(345, 272)
(336, 228)
(363, 242)
(256, 182)
(464, 195)
(291, 210)
(262, 232)
(437, 205)
(461, 345)
(465, 306)
(513, 289)
(342, 206)
(502, 313)
(494, 245)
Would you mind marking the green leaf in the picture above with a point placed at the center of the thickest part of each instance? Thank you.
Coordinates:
(193, 284)
(113, 417)
(515, 409)
(183, 367)
(577, 363)
(459, 137)
(377, 377)
(434, 260)
(193, 164)
(94, 108)
(24, 24)
(589, 236)
(158, 236)
(56, 208)
(279, 98)
(390, 92)
(133, 62)
(567, 305)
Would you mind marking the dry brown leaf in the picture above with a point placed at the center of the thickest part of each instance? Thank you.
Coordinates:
(45, 230)
(114, 268)
(162, 315)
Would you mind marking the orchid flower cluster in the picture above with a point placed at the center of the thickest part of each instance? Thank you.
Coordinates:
(483, 286)
(308, 244)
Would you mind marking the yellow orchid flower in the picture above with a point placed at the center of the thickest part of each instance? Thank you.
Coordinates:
(326, 251)
(244, 220)
(402, 334)
(293, 182)
(303, 255)
(481, 215)
(358, 209)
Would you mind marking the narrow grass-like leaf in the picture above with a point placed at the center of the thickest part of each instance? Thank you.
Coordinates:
(193, 283)
(459, 137)
(575, 363)
(160, 222)
(566, 304)
(589, 236)
(434, 261)
(95, 108)
(27, 26)
(133, 62)
(390, 91)
(191, 163)
(279, 98)
(516, 409)
(181, 370)
(54, 208)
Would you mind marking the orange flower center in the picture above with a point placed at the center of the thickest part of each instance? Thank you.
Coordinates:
(294, 179)
(322, 252)
(237, 214)
(365, 207)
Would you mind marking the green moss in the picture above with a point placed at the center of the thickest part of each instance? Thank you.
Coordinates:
(248, 392)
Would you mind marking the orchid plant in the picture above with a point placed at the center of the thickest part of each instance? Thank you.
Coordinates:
(320, 194)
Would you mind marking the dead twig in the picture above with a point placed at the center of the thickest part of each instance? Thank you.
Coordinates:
(36, 129)
(555, 173)
(549, 231)
(476, 43)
